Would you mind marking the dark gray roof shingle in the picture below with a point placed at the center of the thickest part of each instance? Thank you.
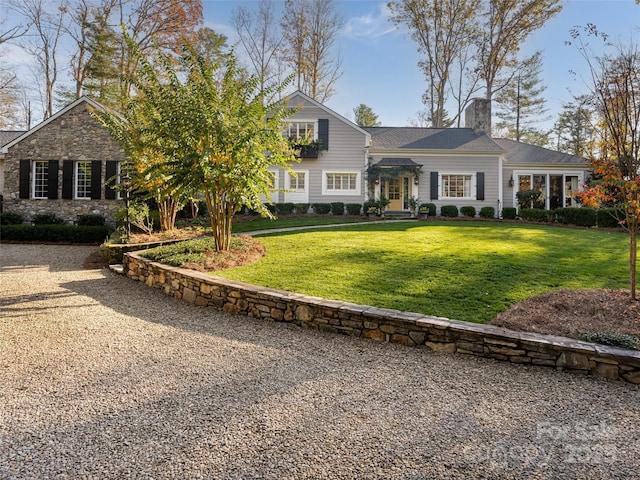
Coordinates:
(416, 138)
(518, 152)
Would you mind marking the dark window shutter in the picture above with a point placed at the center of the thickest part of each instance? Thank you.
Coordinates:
(25, 170)
(480, 186)
(96, 180)
(434, 186)
(67, 179)
(323, 132)
(52, 180)
(110, 172)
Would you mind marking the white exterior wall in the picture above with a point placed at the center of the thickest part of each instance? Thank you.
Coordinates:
(346, 153)
(453, 164)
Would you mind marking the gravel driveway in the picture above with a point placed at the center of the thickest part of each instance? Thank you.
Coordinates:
(102, 377)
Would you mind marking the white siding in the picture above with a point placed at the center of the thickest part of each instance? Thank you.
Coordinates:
(346, 152)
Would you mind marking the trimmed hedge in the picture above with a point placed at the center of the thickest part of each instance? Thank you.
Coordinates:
(337, 208)
(582, 217)
(56, 233)
(90, 220)
(510, 213)
(536, 215)
(10, 218)
(449, 211)
(610, 217)
(321, 208)
(285, 208)
(301, 208)
(430, 207)
(487, 212)
(47, 219)
(468, 211)
(353, 208)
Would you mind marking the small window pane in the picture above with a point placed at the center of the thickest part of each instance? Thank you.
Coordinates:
(83, 180)
(40, 179)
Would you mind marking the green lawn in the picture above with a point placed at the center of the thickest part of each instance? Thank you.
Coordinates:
(462, 270)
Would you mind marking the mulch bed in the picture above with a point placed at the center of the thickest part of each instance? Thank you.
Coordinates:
(569, 312)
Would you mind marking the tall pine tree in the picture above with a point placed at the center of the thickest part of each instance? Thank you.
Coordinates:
(521, 105)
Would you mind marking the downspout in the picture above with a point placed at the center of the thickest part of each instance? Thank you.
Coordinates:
(500, 185)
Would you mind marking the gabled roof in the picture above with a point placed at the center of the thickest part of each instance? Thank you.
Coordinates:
(436, 139)
(53, 117)
(313, 102)
(7, 136)
(524, 153)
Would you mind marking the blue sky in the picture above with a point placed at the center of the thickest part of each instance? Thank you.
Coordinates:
(380, 62)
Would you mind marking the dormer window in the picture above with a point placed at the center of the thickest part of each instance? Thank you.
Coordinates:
(301, 130)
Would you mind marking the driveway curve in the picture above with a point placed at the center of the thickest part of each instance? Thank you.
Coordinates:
(102, 377)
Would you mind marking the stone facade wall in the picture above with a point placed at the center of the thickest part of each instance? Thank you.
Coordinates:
(75, 136)
(385, 325)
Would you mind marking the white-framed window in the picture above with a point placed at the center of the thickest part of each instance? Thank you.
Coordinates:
(301, 129)
(341, 182)
(40, 179)
(83, 180)
(297, 186)
(457, 185)
(557, 188)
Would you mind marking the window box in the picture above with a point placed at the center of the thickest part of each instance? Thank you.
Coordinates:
(306, 151)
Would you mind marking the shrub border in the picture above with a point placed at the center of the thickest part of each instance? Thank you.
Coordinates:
(386, 325)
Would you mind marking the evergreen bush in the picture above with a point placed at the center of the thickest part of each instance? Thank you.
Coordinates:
(353, 208)
(509, 213)
(285, 208)
(449, 211)
(321, 208)
(468, 211)
(11, 218)
(90, 220)
(337, 208)
(47, 219)
(301, 208)
(487, 212)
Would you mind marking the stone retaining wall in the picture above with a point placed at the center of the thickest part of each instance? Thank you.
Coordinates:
(386, 325)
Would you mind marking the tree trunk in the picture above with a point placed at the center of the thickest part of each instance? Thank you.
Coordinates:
(168, 209)
(633, 243)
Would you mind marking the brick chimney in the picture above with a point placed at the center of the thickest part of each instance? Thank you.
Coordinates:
(478, 115)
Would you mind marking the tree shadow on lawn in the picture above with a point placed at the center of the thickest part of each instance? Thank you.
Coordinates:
(447, 281)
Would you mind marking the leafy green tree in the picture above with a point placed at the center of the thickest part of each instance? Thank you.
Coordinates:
(205, 133)
(365, 117)
(522, 105)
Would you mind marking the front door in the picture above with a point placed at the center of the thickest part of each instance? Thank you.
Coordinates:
(397, 192)
(394, 194)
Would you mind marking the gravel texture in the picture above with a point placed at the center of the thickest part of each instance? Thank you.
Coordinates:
(102, 377)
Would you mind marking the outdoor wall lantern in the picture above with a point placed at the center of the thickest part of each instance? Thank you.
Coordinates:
(416, 181)
(511, 181)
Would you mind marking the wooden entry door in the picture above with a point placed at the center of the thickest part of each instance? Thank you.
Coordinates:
(394, 194)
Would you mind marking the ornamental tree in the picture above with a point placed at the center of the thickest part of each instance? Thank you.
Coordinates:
(208, 134)
(616, 89)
